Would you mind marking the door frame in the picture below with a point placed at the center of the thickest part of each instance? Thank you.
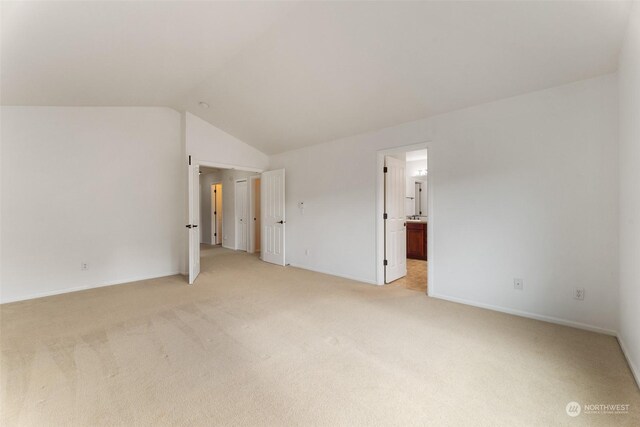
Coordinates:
(209, 164)
(192, 160)
(380, 211)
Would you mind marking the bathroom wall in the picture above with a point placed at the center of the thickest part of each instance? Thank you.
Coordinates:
(412, 207)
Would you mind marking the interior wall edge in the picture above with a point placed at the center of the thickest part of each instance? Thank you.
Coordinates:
(635, 371)
(128, 281)
(528, 315)
(332, 273)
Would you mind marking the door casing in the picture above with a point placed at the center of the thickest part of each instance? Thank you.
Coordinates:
(192, 161)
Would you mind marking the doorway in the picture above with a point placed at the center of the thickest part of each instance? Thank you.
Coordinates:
(404, 218)
(234, 208)
(254, 215)
(241, 214)
(217, 212)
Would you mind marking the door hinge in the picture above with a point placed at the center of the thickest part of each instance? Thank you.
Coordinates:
(385, 170)
(215, 213)
(189, 160)
(215, 234)
(384, 216)
(385, 262)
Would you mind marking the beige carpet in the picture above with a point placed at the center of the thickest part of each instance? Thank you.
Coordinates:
(256, 344)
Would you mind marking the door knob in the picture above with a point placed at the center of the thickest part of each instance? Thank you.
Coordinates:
(280, 222)
(188, 225)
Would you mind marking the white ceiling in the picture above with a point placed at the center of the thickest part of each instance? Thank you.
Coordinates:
(121, 52)
(282, 75)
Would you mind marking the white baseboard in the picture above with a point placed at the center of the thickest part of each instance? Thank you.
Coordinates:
(331, 273)
(634, 369)
(84, 288)
(527, 314)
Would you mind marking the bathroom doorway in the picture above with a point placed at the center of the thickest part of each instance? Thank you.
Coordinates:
(404, 209)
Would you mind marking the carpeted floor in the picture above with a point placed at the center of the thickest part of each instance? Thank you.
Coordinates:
(256, 344)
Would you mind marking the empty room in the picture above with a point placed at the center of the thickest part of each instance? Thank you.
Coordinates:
(323, 213)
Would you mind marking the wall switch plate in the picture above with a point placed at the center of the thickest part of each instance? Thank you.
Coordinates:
(84, 266)
(306, 251)
(518, 284)
(579, 294)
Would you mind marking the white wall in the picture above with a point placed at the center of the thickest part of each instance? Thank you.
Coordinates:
(412, 169)
(629, 97)
(524, 187)
(207, 143)
(414, 166)
(110, 192)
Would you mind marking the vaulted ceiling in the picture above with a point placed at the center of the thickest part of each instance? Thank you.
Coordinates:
(282, 75)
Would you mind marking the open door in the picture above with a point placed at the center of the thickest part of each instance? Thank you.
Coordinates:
(194, 221)
(395, 232)
(272, 216)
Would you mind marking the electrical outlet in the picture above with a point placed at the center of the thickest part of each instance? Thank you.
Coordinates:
(518, 284)
(579, 294)
(84, 266)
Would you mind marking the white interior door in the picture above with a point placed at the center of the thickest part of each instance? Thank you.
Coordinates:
(395, 233)
(194, 221)
(242, 214)
(254, 213)
(272, 216)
